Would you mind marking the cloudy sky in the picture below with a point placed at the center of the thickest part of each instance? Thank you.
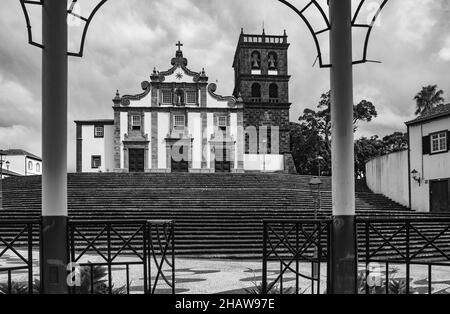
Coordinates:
(128, 38)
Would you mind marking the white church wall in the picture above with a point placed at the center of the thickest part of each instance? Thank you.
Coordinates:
(209, 133)
(214, 103)
(234, 135)
(268, 163)
(173, 78)
(163, 131)
(388, 175)
(148, 132)
(144, 102)
(195, 129)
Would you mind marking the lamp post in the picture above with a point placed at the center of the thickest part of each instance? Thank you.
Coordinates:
(319, 160)
(53, 243)
(338, 24)
(264, 154)
(343, 253)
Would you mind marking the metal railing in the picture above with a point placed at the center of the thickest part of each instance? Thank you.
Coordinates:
(299, 249)
(102, 255)
(390, 245)
(395, 255)
(100, 246)
(17, 243)
(162, 252)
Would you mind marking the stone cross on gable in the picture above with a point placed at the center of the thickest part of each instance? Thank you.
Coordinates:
(179, 45)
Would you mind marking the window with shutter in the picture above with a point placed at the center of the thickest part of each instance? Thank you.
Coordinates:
(425, 145)
(438, 142)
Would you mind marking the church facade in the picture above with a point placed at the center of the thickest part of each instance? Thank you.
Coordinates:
(178, 123)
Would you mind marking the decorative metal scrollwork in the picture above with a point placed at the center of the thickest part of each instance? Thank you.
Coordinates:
(70, 11)
(313, 3)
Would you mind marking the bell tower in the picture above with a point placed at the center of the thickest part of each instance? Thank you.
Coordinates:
(262, 80)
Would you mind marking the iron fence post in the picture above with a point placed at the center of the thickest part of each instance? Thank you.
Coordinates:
(407, 257)
(173, 257)
(108, 232)
(30, 258)
(264, 267)
(297, 282)
(367, 249)
(144, 261)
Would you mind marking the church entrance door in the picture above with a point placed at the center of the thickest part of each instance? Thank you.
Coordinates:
(136, 160)
(222, 162)
(180, 162)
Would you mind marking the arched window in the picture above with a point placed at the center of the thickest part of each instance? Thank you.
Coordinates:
(30, 165)
(256, 90)
(273, 90)
(256, 60)
(272, 61)
(38, 167)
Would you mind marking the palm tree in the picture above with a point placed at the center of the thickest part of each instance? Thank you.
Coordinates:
(428, 98)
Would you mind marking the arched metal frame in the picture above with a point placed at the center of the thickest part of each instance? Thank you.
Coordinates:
(328, 28)
(86, 20)
(285, 2)
(23, 3)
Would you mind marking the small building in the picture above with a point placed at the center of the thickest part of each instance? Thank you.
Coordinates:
(418, 177)
(18, 162)
(179, 123)
(429, 160)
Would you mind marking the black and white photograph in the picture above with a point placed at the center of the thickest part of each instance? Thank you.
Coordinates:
(224, 154)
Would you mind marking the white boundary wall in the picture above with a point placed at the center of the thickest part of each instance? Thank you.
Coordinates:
(388, 175)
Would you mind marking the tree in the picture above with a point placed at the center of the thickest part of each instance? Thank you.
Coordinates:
(306, 144)
(395, 142)
(311, 137)
(364, 111)
(428, 98)
(366, 149)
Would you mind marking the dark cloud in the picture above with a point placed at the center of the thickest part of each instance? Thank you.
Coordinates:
(128, 38)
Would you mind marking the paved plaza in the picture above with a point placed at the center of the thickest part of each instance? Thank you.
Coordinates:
(221, 276)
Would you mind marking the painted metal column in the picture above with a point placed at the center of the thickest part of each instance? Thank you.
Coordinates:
(343, 249)
(54, 252)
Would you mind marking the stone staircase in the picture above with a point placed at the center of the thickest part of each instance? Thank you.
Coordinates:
(216, 215)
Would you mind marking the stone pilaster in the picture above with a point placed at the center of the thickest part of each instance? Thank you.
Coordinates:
(204, 117)
(117, 141)
(154, 140)
(154, 95)
(203, 96)
(240, 140)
